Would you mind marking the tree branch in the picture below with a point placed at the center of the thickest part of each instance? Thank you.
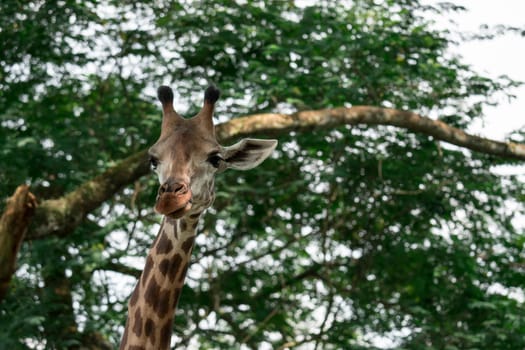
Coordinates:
(278, 124)
(121, 268)
(61, 216)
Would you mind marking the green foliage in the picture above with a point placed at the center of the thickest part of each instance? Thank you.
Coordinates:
(344, 237)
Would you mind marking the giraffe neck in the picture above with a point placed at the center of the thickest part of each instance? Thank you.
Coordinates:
(153, 302)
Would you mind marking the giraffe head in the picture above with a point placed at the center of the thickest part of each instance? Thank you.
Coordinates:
(187, 156)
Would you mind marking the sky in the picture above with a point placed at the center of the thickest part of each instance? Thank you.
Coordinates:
(504, 55)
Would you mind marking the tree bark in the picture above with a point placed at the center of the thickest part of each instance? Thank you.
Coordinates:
(279, 124)
(61, 216)
(13, 226)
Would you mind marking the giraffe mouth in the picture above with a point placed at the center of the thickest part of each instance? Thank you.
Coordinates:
(174, 205)
(177, 214)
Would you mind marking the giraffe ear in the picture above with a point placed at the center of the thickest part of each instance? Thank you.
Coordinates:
(247, 153)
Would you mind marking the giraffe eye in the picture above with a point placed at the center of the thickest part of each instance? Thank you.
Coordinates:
(215, 160)
(153, 162)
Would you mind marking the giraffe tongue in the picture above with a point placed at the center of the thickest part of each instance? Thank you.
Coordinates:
(173, 205)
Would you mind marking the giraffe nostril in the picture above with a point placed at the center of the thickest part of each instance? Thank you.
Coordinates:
(164, 188)
(177, 188)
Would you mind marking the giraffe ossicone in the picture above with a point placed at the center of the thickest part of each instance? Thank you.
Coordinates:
(186, 158)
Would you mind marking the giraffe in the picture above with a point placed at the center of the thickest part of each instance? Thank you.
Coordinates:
(186, 158)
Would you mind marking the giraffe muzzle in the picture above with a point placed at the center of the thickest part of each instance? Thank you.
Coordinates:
(174, 199)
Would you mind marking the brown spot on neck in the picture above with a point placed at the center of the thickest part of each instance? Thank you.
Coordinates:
(137, 326)
(183, 272)
(165, 245)
(162, 305)
(152, 292)
(188, 244)
(149, 330)
(170, 267)
(157, 298)
(147, 270)
(134, 296)
(183, 225)
(165, 334)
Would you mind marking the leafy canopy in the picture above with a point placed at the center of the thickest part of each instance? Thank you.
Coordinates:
(345, 237)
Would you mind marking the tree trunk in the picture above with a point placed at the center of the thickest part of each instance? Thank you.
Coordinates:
(13, 227)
